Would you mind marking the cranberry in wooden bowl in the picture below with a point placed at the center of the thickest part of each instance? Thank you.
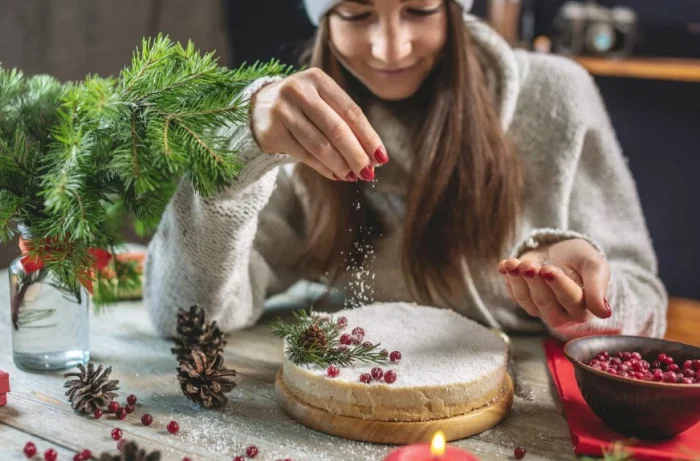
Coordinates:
(626, 398)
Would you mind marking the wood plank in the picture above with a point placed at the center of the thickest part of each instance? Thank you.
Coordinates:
(12, 444)
(685, 70)
(123, 338)
(684, 321)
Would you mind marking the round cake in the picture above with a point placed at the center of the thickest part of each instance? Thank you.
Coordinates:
(449, 366)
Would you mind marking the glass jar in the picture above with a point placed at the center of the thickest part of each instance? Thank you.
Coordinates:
(50, 327)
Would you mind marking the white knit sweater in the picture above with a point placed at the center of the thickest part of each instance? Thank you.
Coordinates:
(230, 252)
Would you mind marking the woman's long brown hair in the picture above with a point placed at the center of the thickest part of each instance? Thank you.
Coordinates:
(464, 195)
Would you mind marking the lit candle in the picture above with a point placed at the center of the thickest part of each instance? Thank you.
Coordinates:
(437, 450)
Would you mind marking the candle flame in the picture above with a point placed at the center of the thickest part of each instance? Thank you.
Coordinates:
(437, 446)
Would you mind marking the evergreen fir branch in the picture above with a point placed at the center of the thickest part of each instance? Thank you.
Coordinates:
(299, 352)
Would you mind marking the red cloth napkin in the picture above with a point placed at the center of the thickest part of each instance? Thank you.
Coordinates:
(589, 433)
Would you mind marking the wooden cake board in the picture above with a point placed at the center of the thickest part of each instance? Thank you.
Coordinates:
(397, 433)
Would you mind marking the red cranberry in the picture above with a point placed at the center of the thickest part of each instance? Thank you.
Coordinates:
(612, 371)
(605, 354)
(658, 378)
(636, 355)
(639, 374)
(519, 453)
(173, 427)
(186, 458)
(688, 365)
(593, 363)
(688, 381)
(670, 377)
(366, 378)
(661, 357)
(238, 458)
(624, 367)
(667, 361)
(674, 368)
(637, 366)
(116, 434)
(79, 457)
(644, 364)
(696, 364)
(113, 406)
(333, 371)
(342, 321)
(129, 409)
(377, 373)
(146, 419)
(356, 340)
(615, 360)
(251, 451)
(358, 331)
(50, 455)
(688, 373)
(131, 400)
(655, 364)
(395, 356)
(97, 414)
(390, 376)
(346, 339)
(86, 454)
(121, 413)
(29, 449)
(385, 353)
(604, 366)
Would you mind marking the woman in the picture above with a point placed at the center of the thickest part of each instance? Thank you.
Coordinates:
(481, 154)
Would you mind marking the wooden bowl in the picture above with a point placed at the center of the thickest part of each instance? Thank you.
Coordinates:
(642, 409)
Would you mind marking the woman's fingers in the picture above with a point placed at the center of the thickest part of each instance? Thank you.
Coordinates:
(352, 114)
(298, 151)
(596, 277)
(568, 294)
(315, 143)
(521, 292)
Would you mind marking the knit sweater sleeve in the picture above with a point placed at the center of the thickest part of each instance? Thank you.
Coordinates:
(601, 205)
(214, 252)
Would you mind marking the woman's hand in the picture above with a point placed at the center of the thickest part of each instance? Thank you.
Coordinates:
(563, 283)
(308, 116)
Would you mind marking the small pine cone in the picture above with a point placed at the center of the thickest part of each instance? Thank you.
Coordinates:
(195, 333)
(205, 381)
(92, 390)
(314, 335)
(130, 452)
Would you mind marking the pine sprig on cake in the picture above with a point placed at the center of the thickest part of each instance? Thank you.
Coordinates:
(311, 339)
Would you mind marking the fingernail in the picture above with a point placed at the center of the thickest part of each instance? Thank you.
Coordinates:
(351, 177)
(502, 270)
(336, 177)
(607, 306)
(530, 273)
(381, 155)
(367, 173)
(515, 271)
(548, 276)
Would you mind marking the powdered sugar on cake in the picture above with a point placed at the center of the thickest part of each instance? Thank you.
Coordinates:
(438, 347)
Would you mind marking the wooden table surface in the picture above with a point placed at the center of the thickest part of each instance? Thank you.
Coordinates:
(123, 338)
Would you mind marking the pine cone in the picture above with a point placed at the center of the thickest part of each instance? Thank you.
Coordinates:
(314, 335)
(131, 452)
(92, 390)
(205, 381)
(195, 333)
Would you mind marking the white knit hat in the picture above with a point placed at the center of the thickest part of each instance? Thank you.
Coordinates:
(317, 8)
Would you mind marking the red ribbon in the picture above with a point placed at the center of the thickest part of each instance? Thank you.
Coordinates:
(34, 262)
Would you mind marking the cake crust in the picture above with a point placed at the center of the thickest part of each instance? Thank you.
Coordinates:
(450, 365)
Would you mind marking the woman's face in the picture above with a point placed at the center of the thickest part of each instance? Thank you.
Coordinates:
(389, 45)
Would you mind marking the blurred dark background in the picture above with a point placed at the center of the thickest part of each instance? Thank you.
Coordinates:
(657, 119)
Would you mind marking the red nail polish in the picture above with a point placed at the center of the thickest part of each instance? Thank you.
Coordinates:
(335, 176)
(367, 173)
(515, 271)
(607, 306)
(351, 177)
(381, 155)
(530, 273)
(548, 276)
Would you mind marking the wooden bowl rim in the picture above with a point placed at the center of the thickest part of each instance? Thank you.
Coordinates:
(652, 384)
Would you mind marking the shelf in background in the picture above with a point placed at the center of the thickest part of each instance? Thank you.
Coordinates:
(684, 70)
